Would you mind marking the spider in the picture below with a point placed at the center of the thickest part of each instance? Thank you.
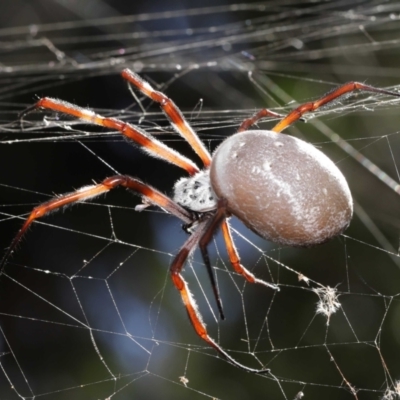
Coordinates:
(282, 188)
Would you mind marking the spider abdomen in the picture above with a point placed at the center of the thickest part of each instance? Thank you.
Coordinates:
(281, 187)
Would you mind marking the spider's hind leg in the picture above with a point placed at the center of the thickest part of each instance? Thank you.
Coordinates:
(329, 97)
(235, 259)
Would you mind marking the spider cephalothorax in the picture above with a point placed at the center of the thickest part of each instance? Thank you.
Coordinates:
(248, 179)
(195, 192)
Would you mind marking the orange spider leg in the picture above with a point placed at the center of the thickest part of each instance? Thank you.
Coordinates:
(235, 259)
(296, 114)
(171, 110)
(88, 192)
(202, 236)
(248, 122)
(149, 143)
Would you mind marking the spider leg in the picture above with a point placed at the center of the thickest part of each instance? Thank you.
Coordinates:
(204, 230)
(172, 111)
(235, 259)
(220, 219)
(148, 142)
(88, 192)
(248, 122)
(206, 259)
(296, 114)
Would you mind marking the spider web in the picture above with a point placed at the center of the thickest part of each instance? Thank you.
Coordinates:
(87, 307)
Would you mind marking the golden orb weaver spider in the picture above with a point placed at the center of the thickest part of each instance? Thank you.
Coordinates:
(282, 188)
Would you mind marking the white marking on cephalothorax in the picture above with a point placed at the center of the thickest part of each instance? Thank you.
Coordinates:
(195, 192)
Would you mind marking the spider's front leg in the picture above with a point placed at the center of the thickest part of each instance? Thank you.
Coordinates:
(201, 237)
(85, 193)
(143, 139)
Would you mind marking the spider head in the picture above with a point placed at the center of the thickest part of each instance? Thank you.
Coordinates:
(195, 192)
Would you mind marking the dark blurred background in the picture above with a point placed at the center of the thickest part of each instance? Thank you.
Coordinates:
(87, 309)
